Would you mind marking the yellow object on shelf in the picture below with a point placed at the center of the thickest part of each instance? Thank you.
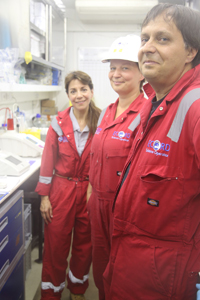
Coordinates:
(33, 131)
(28, 57)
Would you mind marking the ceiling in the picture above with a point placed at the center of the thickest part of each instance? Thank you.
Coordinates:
(113, 11)
(110, 11)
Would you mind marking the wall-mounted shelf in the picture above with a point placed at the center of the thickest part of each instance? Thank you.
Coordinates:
(8, 87)
(37, 30)
(43, 62)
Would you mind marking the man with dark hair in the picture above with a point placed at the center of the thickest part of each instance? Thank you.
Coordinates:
(155, 252)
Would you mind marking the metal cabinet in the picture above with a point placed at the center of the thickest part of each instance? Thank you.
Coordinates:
(12, 248)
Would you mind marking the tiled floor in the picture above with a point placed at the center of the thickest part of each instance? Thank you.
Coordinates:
(32, 284)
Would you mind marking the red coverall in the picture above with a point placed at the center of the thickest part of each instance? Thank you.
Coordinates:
(155, 253)
(110, 147)
(68, 200)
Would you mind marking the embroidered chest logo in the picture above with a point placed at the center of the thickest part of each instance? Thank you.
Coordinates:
(62, 139)
(158, 148)
(98, 130)
(121, 135)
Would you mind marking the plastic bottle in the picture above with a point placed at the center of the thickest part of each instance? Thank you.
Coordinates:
(37, 121)
(46, 122)
(3, 127)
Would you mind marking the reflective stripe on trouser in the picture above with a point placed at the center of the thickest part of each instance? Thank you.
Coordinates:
(69, 213)
(100, 214)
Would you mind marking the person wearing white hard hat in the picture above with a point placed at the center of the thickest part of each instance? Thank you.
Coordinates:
(111, 144)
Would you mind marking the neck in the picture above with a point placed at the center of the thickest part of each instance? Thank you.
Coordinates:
(81, 114)
(81, 117)
(161, 89)
(124, 102)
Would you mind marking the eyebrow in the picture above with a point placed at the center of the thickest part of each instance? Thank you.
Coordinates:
(125, 64)
(157, 32)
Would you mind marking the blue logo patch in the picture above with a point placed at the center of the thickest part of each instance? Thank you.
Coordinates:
(156, 145)
(62, 139)
(158, 148)
(121, 135)
(98, 130)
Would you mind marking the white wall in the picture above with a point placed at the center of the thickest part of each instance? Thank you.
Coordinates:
(91, 35)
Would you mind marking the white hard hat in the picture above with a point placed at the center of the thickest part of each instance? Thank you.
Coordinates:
(125, 47)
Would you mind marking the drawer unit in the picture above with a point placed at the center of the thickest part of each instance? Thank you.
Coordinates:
(10, 246)
(12, 219)
(11, 239)
(14, 286)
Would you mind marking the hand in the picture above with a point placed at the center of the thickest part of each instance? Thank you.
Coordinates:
(198, 292)
(46, 209)
(89, 192)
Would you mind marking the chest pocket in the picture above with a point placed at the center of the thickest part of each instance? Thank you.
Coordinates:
(114, 164)
(157, 212)
(66, 158)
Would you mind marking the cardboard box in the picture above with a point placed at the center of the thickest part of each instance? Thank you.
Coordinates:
(49, 110)
(48, 103)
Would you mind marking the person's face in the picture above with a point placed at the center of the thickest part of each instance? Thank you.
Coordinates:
(124, 76)
(80, 95)
(163, 56)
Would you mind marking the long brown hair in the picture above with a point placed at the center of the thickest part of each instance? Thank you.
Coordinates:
(93, 111)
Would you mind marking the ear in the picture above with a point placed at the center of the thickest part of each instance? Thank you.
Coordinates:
(92, 93)
(192, 52)
(141, 76)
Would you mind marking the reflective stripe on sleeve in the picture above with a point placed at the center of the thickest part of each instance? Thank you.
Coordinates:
(101, 116)
(177, 124)
(49, 285)
(135, 123)
(46, 180)
(76, 280)
(56, 127)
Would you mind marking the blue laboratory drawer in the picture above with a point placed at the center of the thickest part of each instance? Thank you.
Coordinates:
(10, 246)
(12, 218)
(14, 286)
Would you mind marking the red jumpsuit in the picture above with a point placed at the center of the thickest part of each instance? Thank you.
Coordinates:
(110, 147)
(68, 200)
(155, 253)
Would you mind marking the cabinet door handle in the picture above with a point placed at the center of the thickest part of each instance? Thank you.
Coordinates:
(4, 242)
(3, 223)
(4, 268)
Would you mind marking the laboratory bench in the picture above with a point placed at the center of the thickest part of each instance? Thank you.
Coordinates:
(16, 202)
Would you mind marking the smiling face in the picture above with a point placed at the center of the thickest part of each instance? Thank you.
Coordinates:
(80, 95)
(124, 76)
(163, 56)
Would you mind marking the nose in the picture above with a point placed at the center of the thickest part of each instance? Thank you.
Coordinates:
(79, 94)
(148, 46)
(117, 73)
